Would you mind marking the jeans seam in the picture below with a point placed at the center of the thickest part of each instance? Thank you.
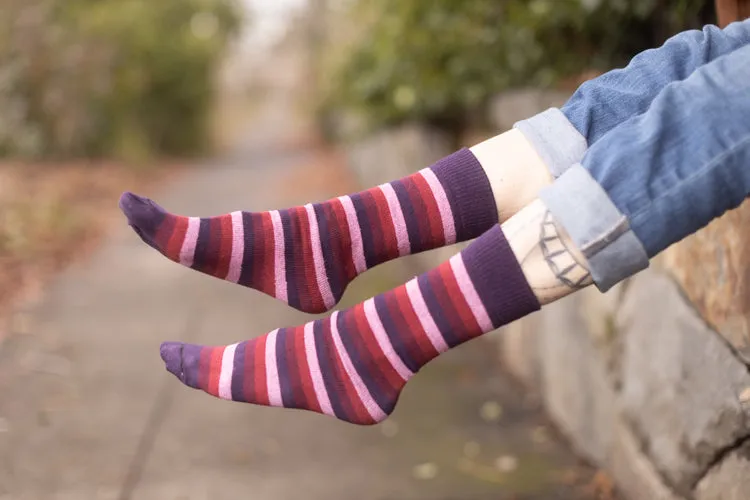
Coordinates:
(606, 238)
(697, 174)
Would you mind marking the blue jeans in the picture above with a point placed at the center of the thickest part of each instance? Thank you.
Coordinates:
(561, 137)
(662, 174)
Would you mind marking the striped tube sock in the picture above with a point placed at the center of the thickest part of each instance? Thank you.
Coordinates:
(354, 364)
(306, 256)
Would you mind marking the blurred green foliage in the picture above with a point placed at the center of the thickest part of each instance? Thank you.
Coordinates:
(440, 61)
(123, 78)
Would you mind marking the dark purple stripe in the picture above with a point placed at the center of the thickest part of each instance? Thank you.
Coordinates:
(365, 227)
(422, 215)
(410, 217)
(498, 278)
(329, 232)
(238, 373)
(291, 234)
(447, 307)
(191, 357)
(437, 312)
(246, 274)
(285, 368)
(395, 334)
(469, 193)
(159, 239)
(361, 358)
(334, 385)
(201, 246)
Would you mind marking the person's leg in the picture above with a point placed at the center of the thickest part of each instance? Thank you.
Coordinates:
(307, 255)
(354, 364)
(605, 102)
(661, 175)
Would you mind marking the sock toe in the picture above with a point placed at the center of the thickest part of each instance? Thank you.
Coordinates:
(171, 354)
(142, 213)
(183, 361)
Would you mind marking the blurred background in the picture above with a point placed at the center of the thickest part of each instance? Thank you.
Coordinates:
(211, 106)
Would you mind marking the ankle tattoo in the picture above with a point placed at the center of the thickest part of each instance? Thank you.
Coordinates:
(552, 264)
(559, 254)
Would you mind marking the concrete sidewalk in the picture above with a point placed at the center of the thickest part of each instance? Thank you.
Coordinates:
(87, 410)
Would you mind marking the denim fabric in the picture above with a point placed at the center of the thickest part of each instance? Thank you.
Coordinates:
(601, 104)
(669, 171)
(561, 137)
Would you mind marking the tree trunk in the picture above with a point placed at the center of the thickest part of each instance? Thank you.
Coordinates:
(732, 10)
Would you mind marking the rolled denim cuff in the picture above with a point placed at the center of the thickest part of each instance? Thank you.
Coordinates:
(555, 139)
(598, 228)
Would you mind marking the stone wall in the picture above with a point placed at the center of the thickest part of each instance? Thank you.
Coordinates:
(650, 380)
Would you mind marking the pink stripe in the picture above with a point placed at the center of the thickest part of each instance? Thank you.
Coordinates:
(470, 293)
(272, 371)
(320, 268)
(238, 248)
(371, 313)
(364, 394)
(444, 206)
(355, 234)
(225, 377)
(187, 253)
(397, 216)
(315, 373)
(425, 318)
(279, 269)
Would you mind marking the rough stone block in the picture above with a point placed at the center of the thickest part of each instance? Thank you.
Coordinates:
(576, 389)
(681, 384)
(729, 479)
(634, 474)
(712, 267)
(519, 349)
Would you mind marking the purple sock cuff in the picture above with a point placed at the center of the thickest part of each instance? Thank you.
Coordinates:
(469, 193)
(498, 278)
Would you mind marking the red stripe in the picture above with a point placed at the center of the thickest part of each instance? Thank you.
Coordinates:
(213, 246)
(298, 356)
(250, 382)
(259, 364)
(225, 246)
(412, 325)
(357, 322)
(215, 371)
(314, 295)
(368, 338)
(469, 324)
(388, 235)
(298, 263)
(176, 238)
(414, 350)
(432, 214)
(259, 242)
(266, 280)
(164, 232)
(346, 389)
(204, 368)
(290, 367)
(335, 211)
